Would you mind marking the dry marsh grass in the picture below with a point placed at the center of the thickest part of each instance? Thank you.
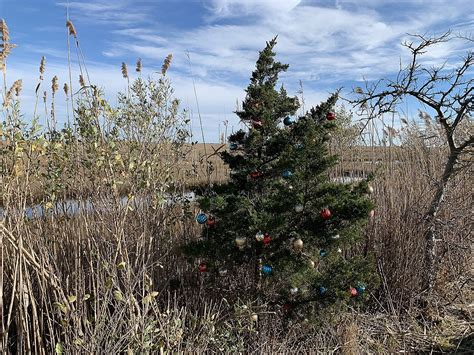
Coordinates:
(112, 280)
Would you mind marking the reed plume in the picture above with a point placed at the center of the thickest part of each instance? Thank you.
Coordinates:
(71, 28)
(166, 64)
(139, 65)
(42, 67)
(66, 89)
(14, 89)
(124, 70)
(54, 84)
(81, 81)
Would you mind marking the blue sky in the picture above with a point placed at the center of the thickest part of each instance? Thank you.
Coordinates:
(328, 44)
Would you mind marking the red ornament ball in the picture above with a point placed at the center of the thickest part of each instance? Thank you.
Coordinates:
(353, 291)
(325, 213)
(202, 267)
(267, 239)
(331, 116)
(256, 174)
(211, 221)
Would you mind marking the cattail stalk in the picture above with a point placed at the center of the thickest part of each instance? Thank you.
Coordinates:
(42, 69)
(54, 89)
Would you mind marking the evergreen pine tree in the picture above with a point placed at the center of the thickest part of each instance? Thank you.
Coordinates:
(279, 216)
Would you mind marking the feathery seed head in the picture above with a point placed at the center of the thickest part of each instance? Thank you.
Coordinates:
(81, 81)
(4, 31)
(166, 64)
(71, 28)
(42, 67)
(124, 70)
(54, 84)
(139, 65)
(66, 89)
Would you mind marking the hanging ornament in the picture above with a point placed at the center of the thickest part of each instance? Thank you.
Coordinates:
(360, 288)
(257, 124)
(201, 218)
(222, 272)
(311, 264)
(323, 253)
(327, 137)
(256, 174)
(299, 208)
(211, 221)
(202, 267)
(254, 317)
(337, 236)
(371, 214)
(294, 290)
(286, 174)
(353, 292)
(233, 146)
(322, 290)
(240, 242)
(288, 121)
(267, 269)
(290, 187)
(331, 116)
(259, 236)
(325, 213)
(298, 245)
(339, 250)
(266, 239)
(370, 189)
(299, 146)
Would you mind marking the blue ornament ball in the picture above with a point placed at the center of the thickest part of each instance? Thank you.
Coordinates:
(322, 290)
(287, 174)
(323, 252)
(360, 288)
(201, 218)
(288, 121)
(267, 269)
(233, 146)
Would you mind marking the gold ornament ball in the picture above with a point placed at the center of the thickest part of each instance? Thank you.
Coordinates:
(311, 264)
(240, 242)
(370, 189)
(298, 244)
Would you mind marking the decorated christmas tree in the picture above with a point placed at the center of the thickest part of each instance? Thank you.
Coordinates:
(279, 217)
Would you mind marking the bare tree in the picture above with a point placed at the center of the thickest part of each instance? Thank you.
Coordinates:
(448, 91)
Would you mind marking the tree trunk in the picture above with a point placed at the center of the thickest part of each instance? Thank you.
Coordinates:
(431, 232)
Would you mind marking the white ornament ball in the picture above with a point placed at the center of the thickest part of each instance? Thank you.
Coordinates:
(339, 250)
(371, 214)
(299, 208)
(311, 264)
(298, 244)
(294, 290)
(337, 236)
(259, 236)
(254, 317)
